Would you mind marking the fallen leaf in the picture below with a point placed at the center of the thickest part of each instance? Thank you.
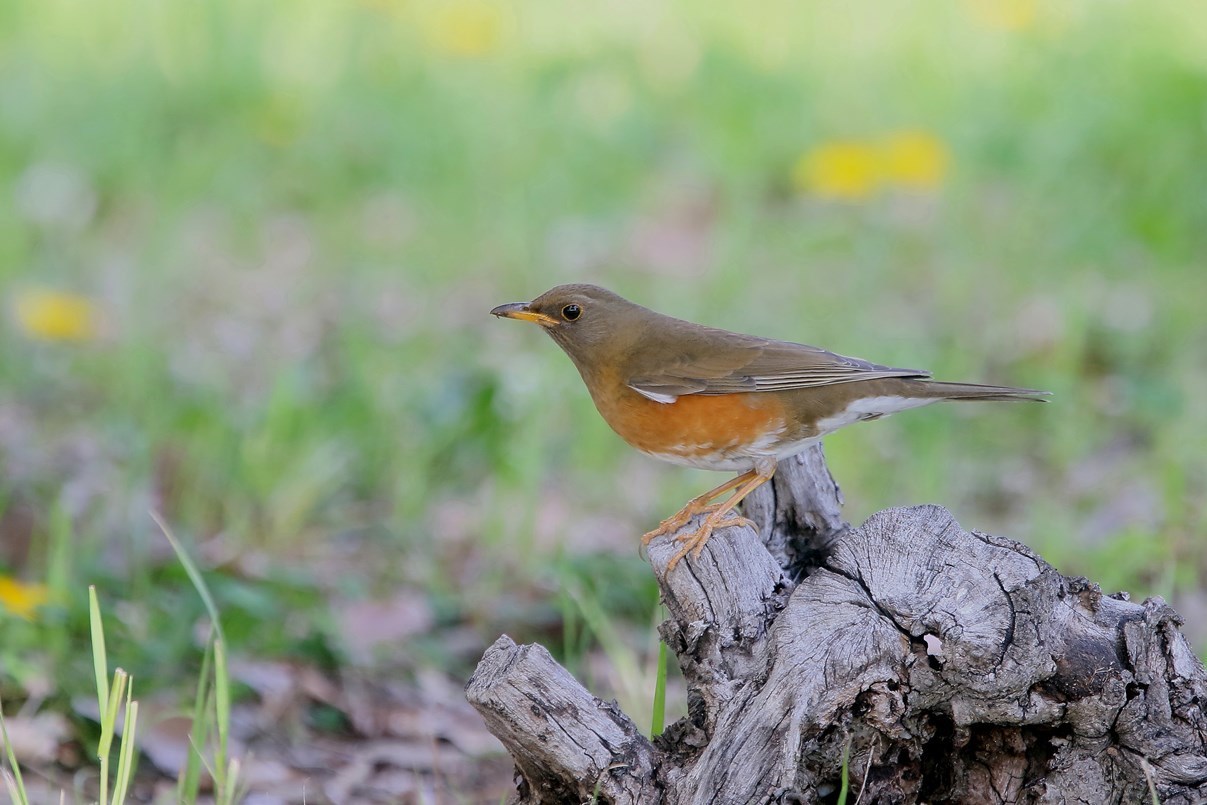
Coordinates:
(166, 741)
(367, 627)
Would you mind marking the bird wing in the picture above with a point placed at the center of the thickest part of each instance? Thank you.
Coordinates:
(749, 364)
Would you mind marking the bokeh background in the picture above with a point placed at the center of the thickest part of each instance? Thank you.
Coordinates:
(247, 251)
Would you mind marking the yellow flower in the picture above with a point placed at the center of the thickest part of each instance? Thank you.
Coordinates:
(54, 316)
(20, 598)
(856, 169)
(841, 169)
(465, 29)
(914, 159)
(1004, 15)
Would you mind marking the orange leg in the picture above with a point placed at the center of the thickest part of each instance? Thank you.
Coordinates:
(697, 505)
(717, 517)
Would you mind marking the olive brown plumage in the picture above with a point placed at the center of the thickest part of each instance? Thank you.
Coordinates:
(710, 398)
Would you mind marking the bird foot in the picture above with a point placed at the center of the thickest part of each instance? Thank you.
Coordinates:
(677, 520)
(694, 542)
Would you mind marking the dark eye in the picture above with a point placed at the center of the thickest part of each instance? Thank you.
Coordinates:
(571, 312)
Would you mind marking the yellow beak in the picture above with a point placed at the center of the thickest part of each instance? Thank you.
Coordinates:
(519, 310)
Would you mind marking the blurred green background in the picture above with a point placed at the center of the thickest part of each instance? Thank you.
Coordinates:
(247, 251)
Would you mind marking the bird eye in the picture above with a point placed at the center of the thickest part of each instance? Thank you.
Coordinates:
(571, 312)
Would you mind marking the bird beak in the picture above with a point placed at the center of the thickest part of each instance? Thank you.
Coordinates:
(519, 310)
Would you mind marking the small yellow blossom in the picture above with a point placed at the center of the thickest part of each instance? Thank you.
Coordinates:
(840, 170)
(21, 599)
(914, 159)
(465, 29)
(54, 316)
(1004, 15)
(857, 169)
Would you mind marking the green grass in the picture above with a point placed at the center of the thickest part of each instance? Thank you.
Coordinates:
(294, 219)
(658, 716)
(13, 781)
(844, 788)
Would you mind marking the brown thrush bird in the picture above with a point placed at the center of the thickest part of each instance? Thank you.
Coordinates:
(709, 398)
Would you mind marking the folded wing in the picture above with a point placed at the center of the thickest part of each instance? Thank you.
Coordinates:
(752, 364)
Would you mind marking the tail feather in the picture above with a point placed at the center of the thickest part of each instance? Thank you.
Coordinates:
(976, 391)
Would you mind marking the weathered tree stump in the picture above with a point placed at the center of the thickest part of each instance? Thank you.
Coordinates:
(946, 665)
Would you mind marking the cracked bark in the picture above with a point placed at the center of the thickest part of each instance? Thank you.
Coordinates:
(953, 666)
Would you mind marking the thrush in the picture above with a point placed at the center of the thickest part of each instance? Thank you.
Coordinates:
(709, 398)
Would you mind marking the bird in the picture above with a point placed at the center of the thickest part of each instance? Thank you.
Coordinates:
(704, 397)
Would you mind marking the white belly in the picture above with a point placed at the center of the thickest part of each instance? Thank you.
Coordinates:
(710, 461)
(869, 408)
(857, 411)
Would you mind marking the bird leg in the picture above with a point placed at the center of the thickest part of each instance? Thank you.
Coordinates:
(717, 517)
(697, 505)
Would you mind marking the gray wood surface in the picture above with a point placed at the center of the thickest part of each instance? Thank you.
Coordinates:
(947, 665)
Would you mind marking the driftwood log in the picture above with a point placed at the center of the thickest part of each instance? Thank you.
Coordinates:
(944, 665)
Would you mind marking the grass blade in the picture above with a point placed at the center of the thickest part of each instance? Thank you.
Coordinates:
(658, 718)
(633, 685)
(230, 795)
(99, 662)
(1148, 778)
(189, 784)
(125, 755)
(845, 790)
(16, 792)
(222, 768)
(222, 716)
(194, 574)
(61, 554)
(13, 781)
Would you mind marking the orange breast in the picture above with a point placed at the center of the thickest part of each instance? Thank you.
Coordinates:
(710, 428)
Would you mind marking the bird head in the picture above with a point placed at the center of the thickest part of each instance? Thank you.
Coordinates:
(583, 319)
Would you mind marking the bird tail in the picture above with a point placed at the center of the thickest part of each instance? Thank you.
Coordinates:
(976, 391)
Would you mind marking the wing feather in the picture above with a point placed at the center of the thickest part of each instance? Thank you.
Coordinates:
(749, 364)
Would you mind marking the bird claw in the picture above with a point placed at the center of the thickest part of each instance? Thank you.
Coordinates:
(677, 520)
(694, 542)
